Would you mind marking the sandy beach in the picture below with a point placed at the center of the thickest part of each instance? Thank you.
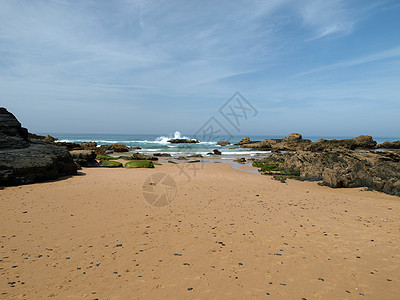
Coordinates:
(227, 234)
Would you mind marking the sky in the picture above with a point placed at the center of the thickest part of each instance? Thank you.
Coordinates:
(318, 67)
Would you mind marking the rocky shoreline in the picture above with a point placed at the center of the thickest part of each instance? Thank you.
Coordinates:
(335, 163)
(358, 162)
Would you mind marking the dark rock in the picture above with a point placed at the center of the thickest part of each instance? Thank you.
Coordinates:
(10, 126)
(196, 155)
(389, 145)
(223, 143)
(216, 152)
(23, 161)
(135, 147)
(84, 158)
(182, 141)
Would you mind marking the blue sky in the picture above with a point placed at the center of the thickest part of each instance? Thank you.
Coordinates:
(322, 68)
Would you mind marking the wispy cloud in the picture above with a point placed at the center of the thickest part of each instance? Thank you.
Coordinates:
(143, 52)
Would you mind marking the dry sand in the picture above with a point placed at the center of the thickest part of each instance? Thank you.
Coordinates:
(228, 234)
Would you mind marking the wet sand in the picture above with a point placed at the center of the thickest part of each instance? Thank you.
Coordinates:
(227, 234)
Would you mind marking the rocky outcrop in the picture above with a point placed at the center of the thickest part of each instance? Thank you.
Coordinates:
(23, 161)
(389, 145)
(84, 158)
(345, 168)
(182, 141)
(223, 143)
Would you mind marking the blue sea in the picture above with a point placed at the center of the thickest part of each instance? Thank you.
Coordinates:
(158, 143)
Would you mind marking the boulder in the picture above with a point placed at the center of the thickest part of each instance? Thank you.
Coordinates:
(182, 141)
(23, 161)
(84, 158)
(135, 147)
(223, 143)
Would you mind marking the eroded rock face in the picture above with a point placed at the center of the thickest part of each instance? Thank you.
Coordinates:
(345, 168)
(23, 161)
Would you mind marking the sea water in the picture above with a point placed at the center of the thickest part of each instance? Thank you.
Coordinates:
(159, 143)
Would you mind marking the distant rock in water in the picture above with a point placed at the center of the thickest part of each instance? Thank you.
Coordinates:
(217, 152)
(24, 161)
(182, 141)
(223, 143)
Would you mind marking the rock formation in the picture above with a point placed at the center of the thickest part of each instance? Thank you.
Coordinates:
(24, 161)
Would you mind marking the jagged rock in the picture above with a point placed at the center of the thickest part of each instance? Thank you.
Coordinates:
(10, 126)
(345, 168)
(389, 145)
(135, 147)
(23, 161)
(182, 141)
(12, 134)
(223, 143)
(89, 145)
(84, 158)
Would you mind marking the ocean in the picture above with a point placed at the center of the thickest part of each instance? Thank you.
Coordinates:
(158, 143)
